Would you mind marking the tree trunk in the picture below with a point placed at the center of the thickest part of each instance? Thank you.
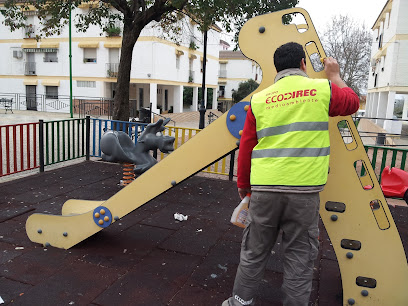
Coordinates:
(121, 100)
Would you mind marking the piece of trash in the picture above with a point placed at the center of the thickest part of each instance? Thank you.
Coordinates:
(21, 294)
(124, 251)
(71, 303)
(213, 275)
(19, 248)
(199, 230)
(1, 300)
(180, 217)
(222, 267)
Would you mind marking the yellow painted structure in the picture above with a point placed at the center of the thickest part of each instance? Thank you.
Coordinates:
(366, 223)
(364, 236)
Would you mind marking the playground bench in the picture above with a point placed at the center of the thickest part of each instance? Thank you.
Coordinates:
(8, 104)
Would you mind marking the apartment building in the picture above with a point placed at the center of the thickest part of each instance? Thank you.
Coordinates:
(37, 72)
(235, 68)
(388, 77)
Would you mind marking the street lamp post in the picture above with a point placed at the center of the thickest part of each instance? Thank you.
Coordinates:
(202, 105)
(70, 63)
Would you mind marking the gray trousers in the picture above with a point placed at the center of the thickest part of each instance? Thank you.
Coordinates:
(297, 215)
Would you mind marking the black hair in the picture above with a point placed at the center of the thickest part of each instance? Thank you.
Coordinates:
(288, 55)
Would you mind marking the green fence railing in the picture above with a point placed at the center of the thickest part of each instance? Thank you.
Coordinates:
(64, 140)
(381, 157)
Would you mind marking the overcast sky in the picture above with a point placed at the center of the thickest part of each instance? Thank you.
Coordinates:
(321, 11)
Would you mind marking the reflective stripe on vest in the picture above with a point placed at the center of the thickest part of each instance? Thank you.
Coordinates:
(292, 129)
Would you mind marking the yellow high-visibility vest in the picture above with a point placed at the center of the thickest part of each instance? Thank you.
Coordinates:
(293, 133)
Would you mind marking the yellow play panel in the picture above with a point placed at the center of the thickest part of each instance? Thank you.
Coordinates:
(364, 236)
(363, 233)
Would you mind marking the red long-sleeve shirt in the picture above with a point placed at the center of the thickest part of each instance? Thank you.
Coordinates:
(343, 102)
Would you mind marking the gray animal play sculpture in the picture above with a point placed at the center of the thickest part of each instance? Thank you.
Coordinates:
(117, 146)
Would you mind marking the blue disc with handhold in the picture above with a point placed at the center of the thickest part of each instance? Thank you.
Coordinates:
(236, 118)
(102, 216)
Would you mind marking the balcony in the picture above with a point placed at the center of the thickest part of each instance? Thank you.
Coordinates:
(29, 31)
(112, 70)
(30, 68)
(222, 73)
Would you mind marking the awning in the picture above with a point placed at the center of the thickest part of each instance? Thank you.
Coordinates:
(30, 82)
(28, 45)
(179, 52)
(116, 44)
(191, 55)
(53, 45)
(50, 82)
(89, 44)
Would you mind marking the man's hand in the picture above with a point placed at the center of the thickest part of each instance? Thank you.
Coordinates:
(243, 192)
(332, 69)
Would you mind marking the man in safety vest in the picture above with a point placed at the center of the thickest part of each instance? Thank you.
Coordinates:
(283, 160)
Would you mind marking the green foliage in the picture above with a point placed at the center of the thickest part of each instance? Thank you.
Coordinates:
(193, 46)
(244, 89)
(113, 31)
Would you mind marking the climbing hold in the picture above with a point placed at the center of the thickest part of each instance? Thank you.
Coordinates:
(173, 183)
(39, 231)
(116, 218)
(236, 118)
(349, 255)
(334, 217)
(351, 301)
(238, 142)
(65, 234)
(364, 292)
(246, 108)
(240, 133)
(47, 244)
(102, 216)
(261, 29)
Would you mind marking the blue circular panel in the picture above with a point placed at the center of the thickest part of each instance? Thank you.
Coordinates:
(234, 126)
(103, 214)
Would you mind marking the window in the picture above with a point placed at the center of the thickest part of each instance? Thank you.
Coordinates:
(50, 57)
(90, 84)
(89, 55)
(51, 92)
(221, 92)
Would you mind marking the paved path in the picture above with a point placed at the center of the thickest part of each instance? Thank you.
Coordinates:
(147, 258)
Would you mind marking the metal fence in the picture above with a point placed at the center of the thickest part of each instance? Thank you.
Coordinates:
(64, 140)
(19, 149)
(82, 105)
(36, 145)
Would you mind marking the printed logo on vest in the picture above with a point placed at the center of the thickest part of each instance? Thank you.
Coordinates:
(275, 97)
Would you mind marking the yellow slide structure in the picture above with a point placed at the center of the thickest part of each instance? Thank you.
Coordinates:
(354, 211)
